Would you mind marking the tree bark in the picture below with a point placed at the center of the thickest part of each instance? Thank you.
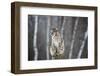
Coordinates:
(62, 28)
(48, 30)
(73, 38)
(83, 44)
(35, 39)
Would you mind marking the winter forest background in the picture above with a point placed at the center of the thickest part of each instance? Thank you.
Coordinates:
(75, 35)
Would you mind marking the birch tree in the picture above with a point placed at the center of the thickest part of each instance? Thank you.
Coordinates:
(35, 39)
(83, 44)
(48, 30)
(62, 28)
(73, 37)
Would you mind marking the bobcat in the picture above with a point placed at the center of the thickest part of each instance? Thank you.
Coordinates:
(57, 45)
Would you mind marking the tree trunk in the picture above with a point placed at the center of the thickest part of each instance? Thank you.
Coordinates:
(62, 28)
(83, 44)
(35, 39)
(73, 38)
(48, 29)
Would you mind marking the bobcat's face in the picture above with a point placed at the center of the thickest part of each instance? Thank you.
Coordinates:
(54, 31)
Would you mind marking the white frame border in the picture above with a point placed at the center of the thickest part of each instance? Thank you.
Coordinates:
(25, 64)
